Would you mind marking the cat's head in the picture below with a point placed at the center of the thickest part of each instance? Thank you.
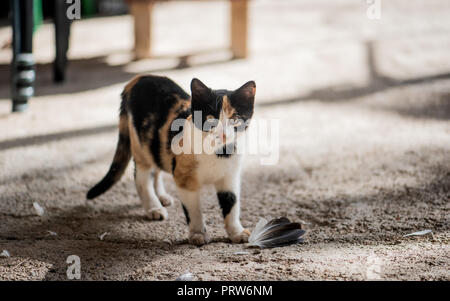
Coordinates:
(223, 113)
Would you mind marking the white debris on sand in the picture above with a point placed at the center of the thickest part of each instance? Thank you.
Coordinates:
(4, 253)
(51, 233)
(418, 233)
(185, 277)
(39, 210)
(241, 253)
(103, 235)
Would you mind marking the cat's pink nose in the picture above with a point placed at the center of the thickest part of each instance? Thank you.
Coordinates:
(224, 137)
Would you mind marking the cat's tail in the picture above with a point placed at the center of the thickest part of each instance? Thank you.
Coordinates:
(121, 157)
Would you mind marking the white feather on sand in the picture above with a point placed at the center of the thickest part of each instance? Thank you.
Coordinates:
(418, 233)
(39, 209)
(185, 277)
(103, 235)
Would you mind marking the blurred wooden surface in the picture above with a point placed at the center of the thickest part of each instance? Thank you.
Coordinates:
(239, 31)
(142, 15)
(141, 10)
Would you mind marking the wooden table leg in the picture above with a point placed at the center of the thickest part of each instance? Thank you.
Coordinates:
(239, 28)
(142, 14)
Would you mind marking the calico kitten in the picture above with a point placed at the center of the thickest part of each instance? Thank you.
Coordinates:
(150, 106)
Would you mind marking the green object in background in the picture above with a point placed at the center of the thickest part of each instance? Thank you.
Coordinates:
(88, 7)
(38, 16)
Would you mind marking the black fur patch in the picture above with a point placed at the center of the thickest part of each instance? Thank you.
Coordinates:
(120, 162)
(174, 164)
(150, 101)
(186, 213)
(227, 199)
(242, 101)
(205, 100)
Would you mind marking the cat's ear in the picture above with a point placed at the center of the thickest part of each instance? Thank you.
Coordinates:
(198, 89)
(246, 92)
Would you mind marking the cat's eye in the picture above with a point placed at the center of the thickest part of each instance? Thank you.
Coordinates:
(236, 122)
(239, 125)
(210, 123)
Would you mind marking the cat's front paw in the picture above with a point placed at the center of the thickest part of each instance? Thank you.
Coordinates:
(157, 214)
(198, 239)
(241, 237)
(166, 200)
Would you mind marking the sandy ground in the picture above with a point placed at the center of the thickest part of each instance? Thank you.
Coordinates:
(364, 146)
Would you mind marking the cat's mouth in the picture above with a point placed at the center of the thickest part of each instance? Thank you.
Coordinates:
(216, 142)
(226, 149)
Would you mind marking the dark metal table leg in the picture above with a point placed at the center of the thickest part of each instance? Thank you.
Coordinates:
(22, 67)
(62, 32)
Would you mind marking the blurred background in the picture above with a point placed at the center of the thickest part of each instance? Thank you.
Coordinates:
(362, 92)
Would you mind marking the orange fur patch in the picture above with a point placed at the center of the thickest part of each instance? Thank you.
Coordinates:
(184, 173)
(227, 108)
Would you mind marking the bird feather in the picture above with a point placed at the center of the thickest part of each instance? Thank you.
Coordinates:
(276, 233)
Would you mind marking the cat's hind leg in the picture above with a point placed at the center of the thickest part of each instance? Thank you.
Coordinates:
(145, 185)
(165, 198)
